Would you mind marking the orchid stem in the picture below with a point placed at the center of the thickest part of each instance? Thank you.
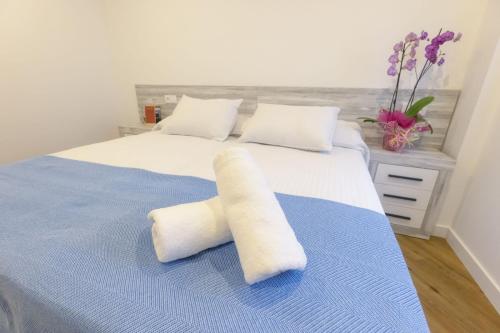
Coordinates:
(395, 95)
(426, 67)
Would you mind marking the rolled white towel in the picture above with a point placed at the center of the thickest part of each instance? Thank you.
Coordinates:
(184, 230)
(266, 243)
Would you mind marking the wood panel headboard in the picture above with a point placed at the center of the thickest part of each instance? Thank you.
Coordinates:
(354, 102)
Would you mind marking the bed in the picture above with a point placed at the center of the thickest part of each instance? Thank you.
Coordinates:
(76, 252)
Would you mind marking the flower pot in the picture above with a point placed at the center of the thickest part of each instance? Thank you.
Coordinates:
(393, 142)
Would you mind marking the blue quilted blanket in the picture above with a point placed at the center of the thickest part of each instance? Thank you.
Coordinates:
(76, 256)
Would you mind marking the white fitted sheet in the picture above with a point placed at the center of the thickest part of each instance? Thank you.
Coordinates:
(340, 175)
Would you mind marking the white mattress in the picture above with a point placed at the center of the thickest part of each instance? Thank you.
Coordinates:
(340, 175)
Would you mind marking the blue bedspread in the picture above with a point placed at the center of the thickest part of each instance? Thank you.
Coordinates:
(76, 256)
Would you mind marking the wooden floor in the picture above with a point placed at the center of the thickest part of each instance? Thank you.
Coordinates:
(451, 299)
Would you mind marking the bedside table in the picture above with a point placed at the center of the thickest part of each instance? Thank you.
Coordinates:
(134, 130)
(409, 185)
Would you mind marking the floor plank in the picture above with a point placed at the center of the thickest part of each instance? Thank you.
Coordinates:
(451, 299)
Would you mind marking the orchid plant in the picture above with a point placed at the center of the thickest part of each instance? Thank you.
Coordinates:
(403, 127)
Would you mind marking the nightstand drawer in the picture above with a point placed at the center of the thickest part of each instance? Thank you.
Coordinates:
(403, 196)
(404, 216)
(406, 176)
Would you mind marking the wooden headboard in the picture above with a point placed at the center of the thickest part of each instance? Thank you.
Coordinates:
(354, 102)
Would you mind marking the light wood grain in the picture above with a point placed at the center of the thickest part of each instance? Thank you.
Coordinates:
(354, 102)
(419, 157)
(134, 130)
(451, 299)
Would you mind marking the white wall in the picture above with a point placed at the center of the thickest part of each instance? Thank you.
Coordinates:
(475, 233)
(476, 71)
(472, 116)
(56, 83)
(333, 43)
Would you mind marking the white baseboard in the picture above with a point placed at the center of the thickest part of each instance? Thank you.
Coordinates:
(441, 231)
(480, 275)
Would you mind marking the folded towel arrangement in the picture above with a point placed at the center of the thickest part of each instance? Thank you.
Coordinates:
(184, 230)
(246, 210)
(265, 241)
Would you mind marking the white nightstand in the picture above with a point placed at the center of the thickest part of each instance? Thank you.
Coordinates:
(409, 185)
(134, 130)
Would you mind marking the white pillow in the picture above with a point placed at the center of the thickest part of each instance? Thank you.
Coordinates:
(208, 118)
(158, 126)
(348, 134)
(302, 127)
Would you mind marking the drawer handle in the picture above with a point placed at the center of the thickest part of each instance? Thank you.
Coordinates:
(398, 216)
(399, 197)
(406, 178)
